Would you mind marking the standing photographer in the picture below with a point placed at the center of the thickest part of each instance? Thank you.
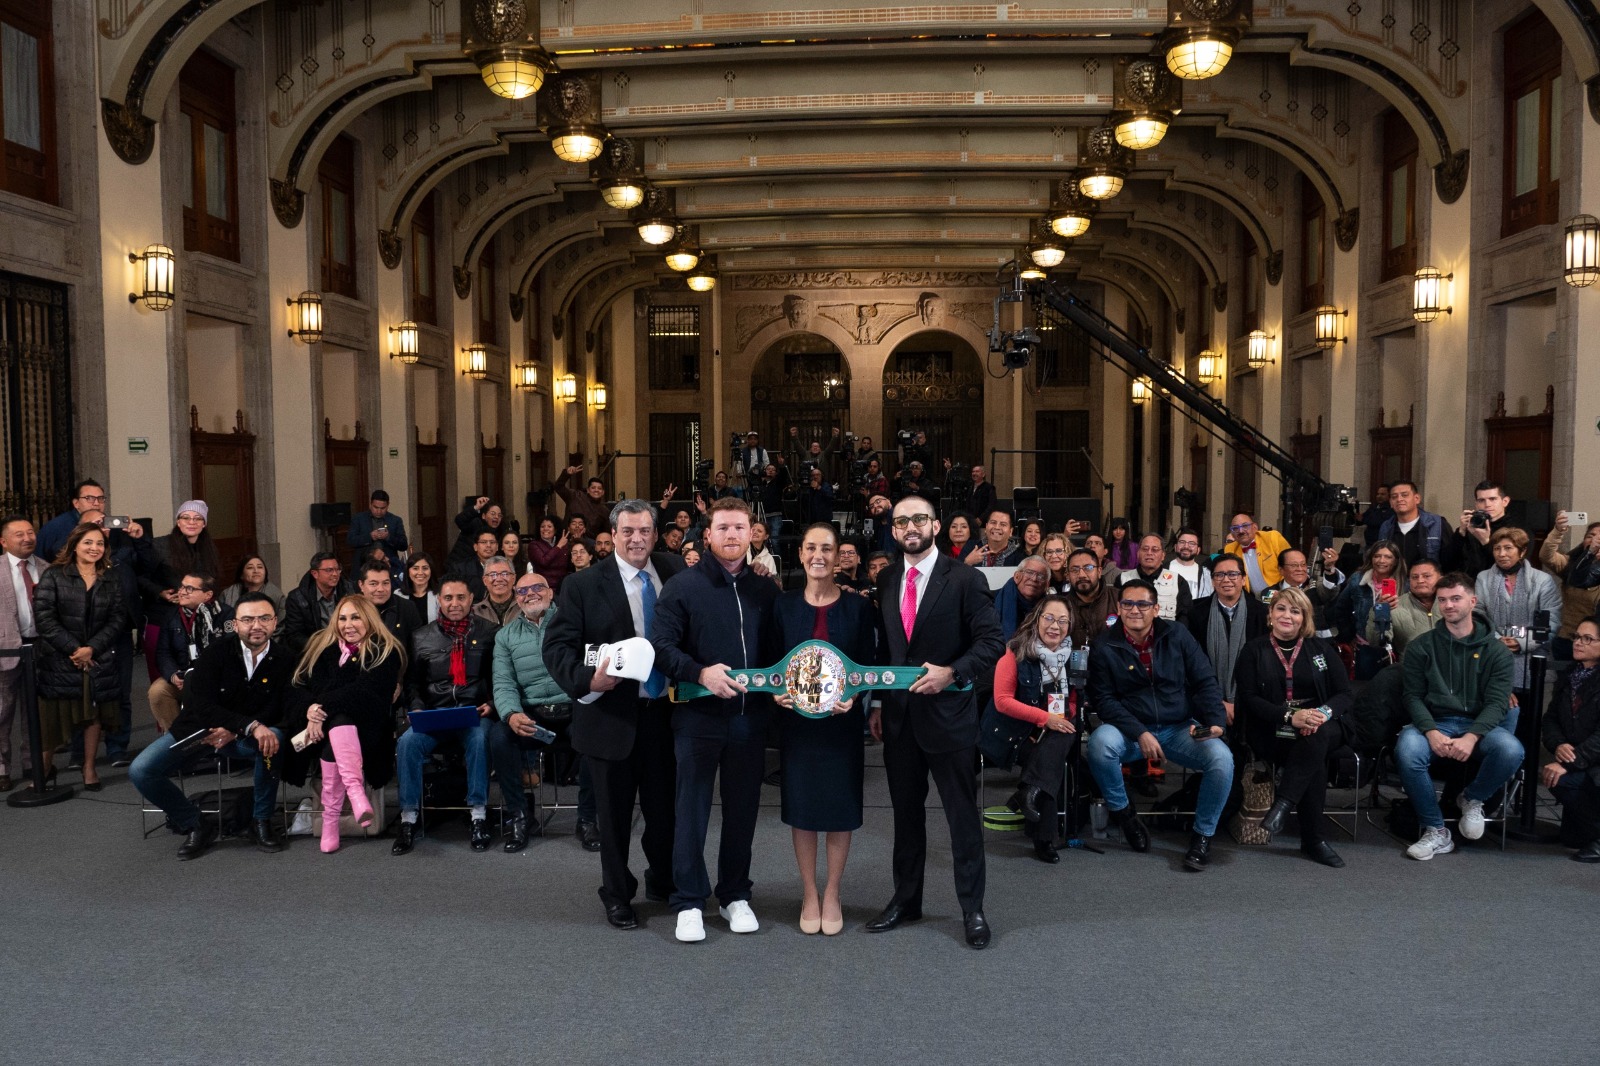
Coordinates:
(1468, 549)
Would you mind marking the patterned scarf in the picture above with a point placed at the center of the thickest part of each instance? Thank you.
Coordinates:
(1224, 641)
(457, 632)
(347, 652)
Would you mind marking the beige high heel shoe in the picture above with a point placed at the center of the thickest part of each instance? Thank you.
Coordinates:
(809, 926)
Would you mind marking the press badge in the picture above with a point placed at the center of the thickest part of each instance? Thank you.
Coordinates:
(1057, 703)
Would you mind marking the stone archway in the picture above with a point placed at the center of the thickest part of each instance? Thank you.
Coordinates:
(801, 380)
(933, 381)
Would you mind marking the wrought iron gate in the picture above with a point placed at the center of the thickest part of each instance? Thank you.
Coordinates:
(35, 397)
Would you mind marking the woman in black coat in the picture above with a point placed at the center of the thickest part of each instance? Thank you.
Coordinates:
(822, 758)
(343, 700)
(1572, 735)
(1292, 692)
(79, 613)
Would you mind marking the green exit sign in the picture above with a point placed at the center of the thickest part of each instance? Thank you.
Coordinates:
(138, 444)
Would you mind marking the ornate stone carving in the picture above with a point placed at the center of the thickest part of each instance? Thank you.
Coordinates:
(846, 279)
(867, 323)
(517, 306)
(1219, 297)
(1450, 177)
(129, 133)
(389, 247)
(977, 314)
(1275, 267)
(499, 21)
(752, 320)
(1210, 10)
(288, 203)
(1346, 228)
(463, 280)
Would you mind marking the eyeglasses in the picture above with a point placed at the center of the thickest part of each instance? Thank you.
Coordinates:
(190, 588)
(1226, 575)
(918, 520)
(1584, 639)
(328, 569)
(1243, 528)
(1031, 575)
(92, 499)
(190, 516)
(527, 592)
(1088, 569)
(1055, 551)
(498, 575)
(1137, 605)
(1054, 620)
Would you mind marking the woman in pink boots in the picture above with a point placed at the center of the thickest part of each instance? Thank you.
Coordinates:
(343, 697)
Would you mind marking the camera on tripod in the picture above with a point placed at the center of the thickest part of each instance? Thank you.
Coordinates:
(702, 475)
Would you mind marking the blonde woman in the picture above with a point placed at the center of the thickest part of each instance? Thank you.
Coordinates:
(343, 697)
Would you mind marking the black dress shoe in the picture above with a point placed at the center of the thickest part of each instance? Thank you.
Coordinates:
(201, 837)
(481, 837)
(977, 927)
(1590, 852)
(1198, 857)
(1133, 830)
(589, 836)
(405, 838)
(265, 837)
(1045, 851)
(1321, 851)
(518, 834)
(1030, 803)
(621, 916)
(895, 914)
(1272, 821)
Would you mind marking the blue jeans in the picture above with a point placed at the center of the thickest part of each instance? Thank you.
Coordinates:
(151, 773)
(1501, 752)
(1108, 749)
(413, 751)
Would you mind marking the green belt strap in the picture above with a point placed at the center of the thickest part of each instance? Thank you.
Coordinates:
(816, 675)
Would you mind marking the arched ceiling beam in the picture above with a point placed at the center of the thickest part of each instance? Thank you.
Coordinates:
(1578, 22)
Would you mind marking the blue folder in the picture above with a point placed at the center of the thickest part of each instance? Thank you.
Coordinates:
(441, 719)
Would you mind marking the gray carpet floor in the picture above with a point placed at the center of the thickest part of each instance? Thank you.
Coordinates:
(113, 950)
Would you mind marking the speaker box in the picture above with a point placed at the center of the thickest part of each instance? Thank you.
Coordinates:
(330, 515)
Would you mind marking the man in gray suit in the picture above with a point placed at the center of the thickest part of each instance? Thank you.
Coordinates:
(18, 575)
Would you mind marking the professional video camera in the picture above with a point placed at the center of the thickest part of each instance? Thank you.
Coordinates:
(702, 475)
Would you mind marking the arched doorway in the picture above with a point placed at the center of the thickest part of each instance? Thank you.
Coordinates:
(934, 382)
(801, 381)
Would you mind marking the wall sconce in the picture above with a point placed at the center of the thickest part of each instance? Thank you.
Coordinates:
(1428, 294)
(477, 361)
(1141, 389)
(1328, 327)
(1201, 35)
(403, 340)
(703, 278)
(1259, 351)
(305, 317)
(597, 396)
(157, 273)
(527, 377)
(1583, 252)
(1208, 367)
(567, 388)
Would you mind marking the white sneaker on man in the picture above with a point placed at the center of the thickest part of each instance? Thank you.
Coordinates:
(1433, 842)
(691, 926)
(1471, 824)
(739, 916)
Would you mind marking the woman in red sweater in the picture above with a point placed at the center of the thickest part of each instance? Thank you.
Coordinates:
(1030, 683)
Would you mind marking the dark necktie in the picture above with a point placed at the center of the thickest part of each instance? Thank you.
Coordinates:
(27, 579)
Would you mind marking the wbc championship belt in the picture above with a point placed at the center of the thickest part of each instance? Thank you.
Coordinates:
(815, 675)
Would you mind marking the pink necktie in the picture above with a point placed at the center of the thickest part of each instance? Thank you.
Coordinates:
(908, 602)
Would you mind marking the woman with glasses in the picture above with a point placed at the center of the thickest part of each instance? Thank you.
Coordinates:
(1572, 736)
(1293, 693)
(1363, 612)
(1054, 550)
(1512, 593)
(822, 758)
(1031, 684)
(188, 549)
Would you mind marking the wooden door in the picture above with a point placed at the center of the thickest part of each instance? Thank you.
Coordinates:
(492, 474)
(345, 475)
(1519, 450)
(1391, 457)
(222, 473)
(433, 506)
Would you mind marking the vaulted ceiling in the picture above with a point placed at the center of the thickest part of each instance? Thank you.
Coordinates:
(816, 137)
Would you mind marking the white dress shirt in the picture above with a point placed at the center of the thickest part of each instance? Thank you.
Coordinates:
(25, 623)
(250, 663)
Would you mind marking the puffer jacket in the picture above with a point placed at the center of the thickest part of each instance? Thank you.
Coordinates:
(520, 676)
(707, 616)
(70, 616)
(429, 684)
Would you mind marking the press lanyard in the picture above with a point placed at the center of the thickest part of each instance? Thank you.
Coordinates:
(1288, 668)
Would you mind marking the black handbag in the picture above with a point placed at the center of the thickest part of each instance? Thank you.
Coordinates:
(1000, 737)
(548, 714)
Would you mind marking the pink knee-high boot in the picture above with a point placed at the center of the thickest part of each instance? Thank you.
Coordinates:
(332, 804)
(346, 744)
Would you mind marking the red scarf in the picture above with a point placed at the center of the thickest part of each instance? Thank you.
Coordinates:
(457, 632)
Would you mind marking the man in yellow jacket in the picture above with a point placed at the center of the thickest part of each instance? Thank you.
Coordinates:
(1258, 549)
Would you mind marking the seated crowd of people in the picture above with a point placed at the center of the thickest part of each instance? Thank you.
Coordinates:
(1258, 659)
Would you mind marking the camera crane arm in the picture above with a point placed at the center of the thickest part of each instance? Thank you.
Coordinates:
(1304, 489)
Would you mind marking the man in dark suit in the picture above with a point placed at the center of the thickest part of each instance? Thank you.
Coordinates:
(1223, 622)
(938, 616)
(622, 727)
(236, 691)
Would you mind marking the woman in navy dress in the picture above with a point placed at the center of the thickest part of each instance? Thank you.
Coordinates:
(822, 758)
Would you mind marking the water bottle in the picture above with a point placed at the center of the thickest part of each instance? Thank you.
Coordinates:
(1098, 819)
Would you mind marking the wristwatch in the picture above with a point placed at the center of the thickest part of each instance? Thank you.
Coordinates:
(959, 679)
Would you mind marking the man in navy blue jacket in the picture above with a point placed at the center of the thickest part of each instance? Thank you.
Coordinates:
(1157, 698)
(709, 626)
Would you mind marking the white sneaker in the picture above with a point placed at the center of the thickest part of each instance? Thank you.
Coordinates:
(691, 926)
(1433, 842)
(1471, 824)
(739, 916)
